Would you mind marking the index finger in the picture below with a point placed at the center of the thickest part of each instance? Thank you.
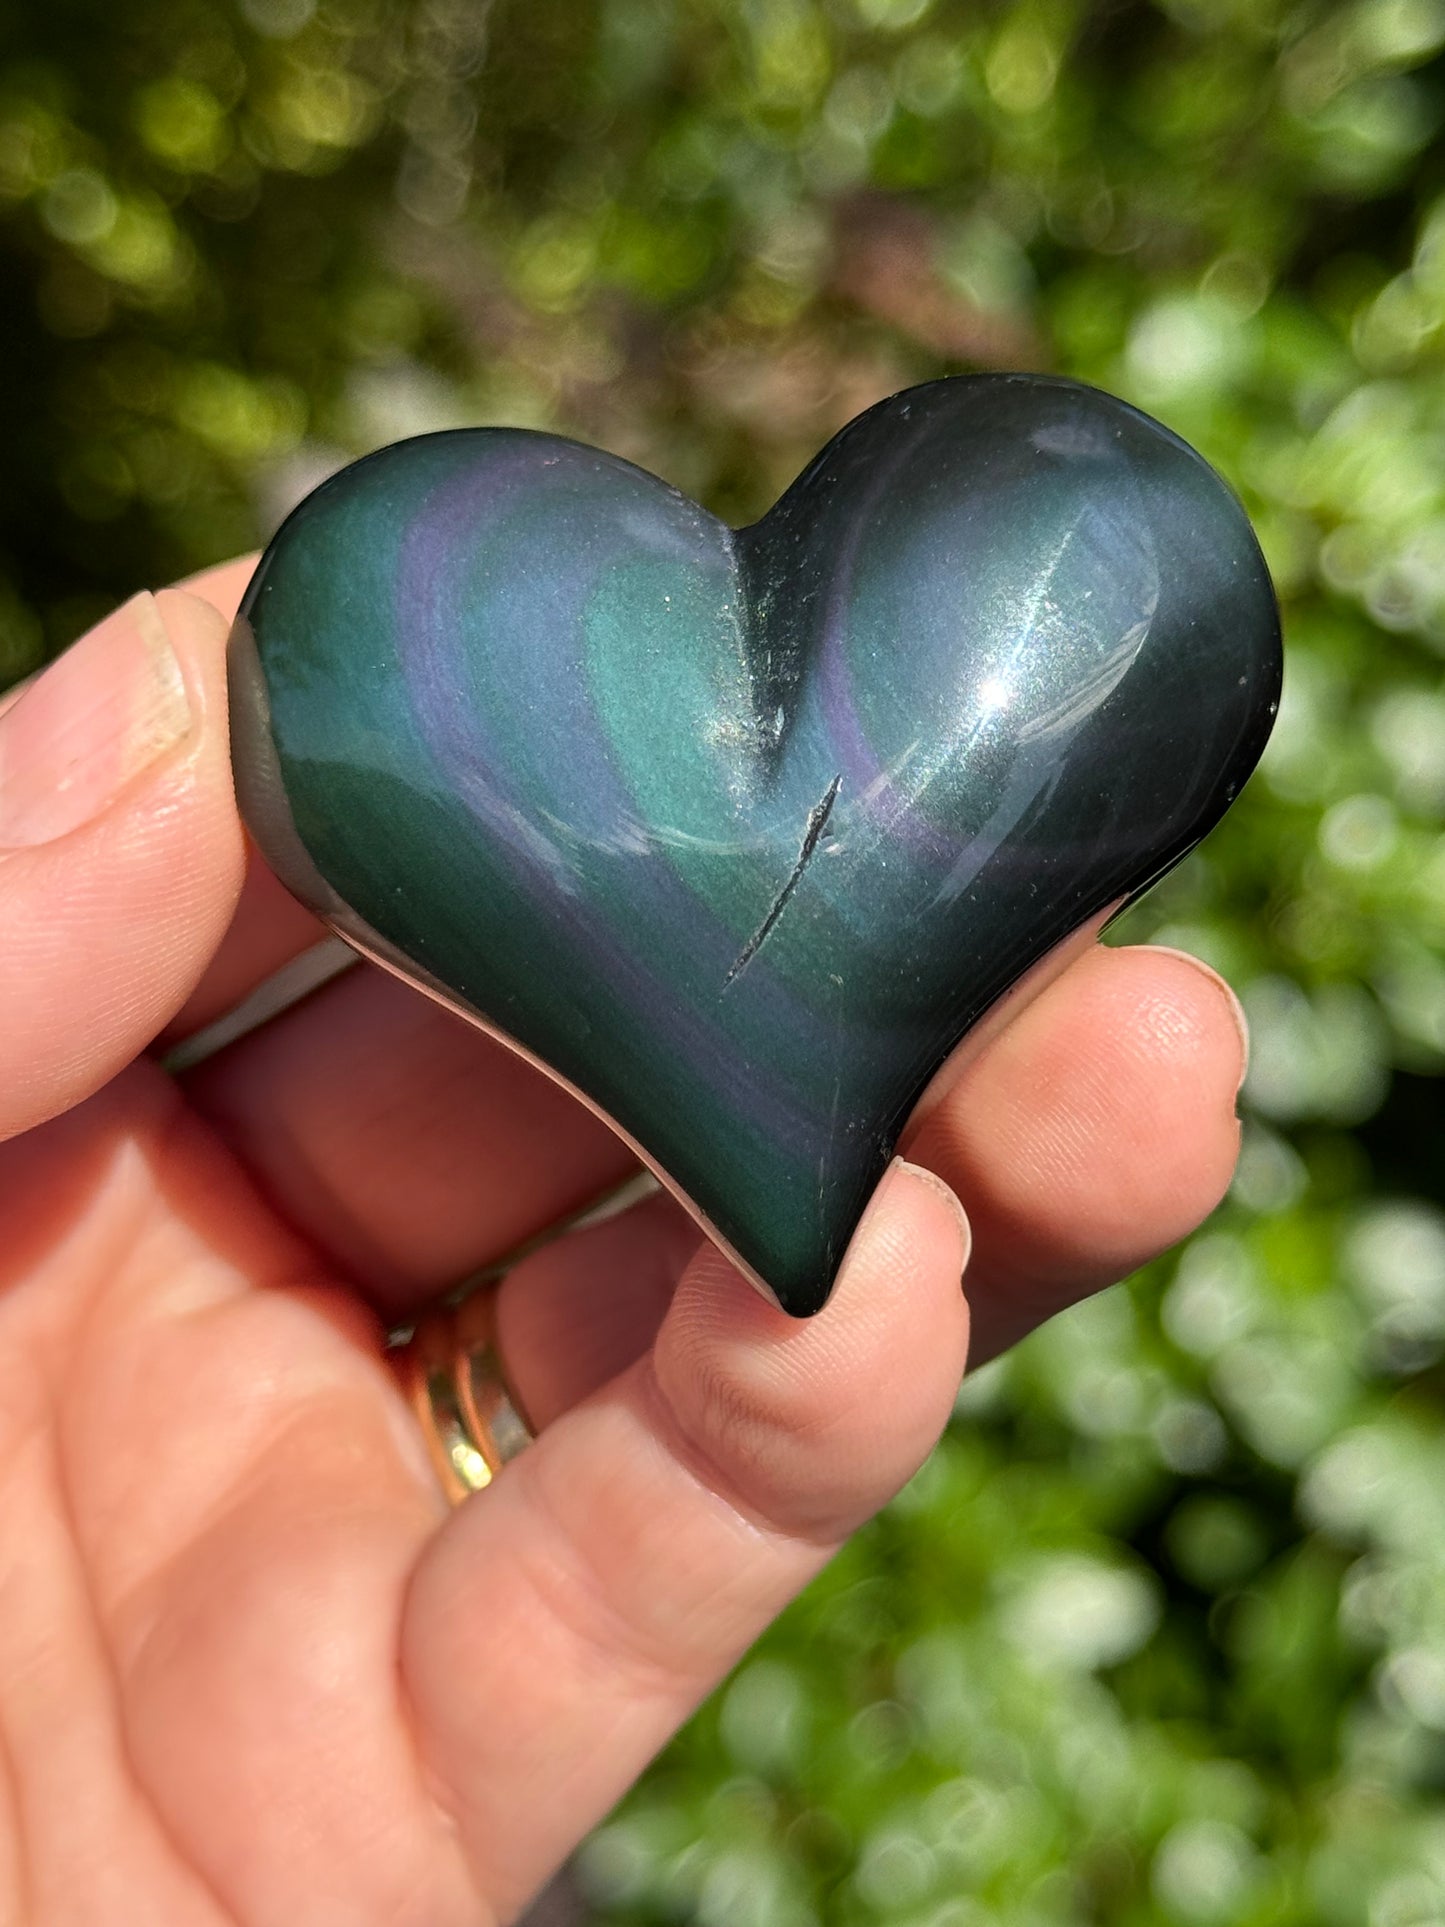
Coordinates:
(269, 928)
(120, 849)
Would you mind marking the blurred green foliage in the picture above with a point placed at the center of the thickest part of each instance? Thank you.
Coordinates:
(1159, 1633)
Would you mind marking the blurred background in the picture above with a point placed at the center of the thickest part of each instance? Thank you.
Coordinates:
(1159, 1633)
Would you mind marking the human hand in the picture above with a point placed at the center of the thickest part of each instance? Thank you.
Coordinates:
(251, 1668)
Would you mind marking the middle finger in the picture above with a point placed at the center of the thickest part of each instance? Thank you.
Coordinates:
(408, 1145)
(1094, 1131)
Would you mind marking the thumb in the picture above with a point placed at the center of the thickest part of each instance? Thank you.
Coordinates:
(121, 854)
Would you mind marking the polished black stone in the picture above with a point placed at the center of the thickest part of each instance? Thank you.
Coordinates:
(740, 833)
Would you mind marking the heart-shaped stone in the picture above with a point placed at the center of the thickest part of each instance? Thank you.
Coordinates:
(739, 833)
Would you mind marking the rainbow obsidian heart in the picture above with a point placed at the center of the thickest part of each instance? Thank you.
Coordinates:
(739, 833)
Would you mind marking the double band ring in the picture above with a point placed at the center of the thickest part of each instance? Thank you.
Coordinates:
(453, 1380)
(453, 1376)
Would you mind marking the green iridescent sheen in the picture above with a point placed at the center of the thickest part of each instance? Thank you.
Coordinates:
(741, 833)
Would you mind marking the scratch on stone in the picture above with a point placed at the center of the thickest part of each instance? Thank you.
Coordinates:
(817, 823)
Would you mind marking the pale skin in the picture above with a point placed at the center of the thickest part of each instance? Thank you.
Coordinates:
(252, 1670)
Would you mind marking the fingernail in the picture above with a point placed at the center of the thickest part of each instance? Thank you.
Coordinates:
(104, 712)
(1232, 1003)
(922, 1175)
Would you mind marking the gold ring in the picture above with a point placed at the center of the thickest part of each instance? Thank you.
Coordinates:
(451, 1372)
(452, 1376)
